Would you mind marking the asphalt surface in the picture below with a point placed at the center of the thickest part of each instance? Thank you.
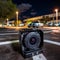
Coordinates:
(52, 51)
(8, 34)
(12, 51)
(52, 36)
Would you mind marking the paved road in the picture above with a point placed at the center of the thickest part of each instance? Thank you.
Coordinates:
(8, 34)
(52, 50)
(11, 51)
(52, 36)
(11, 34)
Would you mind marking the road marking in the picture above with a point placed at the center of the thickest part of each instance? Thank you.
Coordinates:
(56, 30)
(39, 57)
(9, 42)
(8, 33)
(16, 41)
(47, 31)
(18, 33)
(52, 42)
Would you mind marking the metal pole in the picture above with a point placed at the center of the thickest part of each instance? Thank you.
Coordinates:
(17, 18)
(56, 10)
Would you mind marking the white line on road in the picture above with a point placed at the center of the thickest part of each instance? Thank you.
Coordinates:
(18, 33)
(8, 42)
(16, 41)
(47, 31)
(52, 42)
(8, 33)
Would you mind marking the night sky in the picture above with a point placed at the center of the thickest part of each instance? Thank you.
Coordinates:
(41, 6)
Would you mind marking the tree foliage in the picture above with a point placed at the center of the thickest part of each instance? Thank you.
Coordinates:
(7, 9)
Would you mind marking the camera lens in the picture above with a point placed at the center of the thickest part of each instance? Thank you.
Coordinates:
(33, 40)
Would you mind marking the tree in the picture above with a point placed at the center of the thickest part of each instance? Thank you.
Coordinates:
(7, 9)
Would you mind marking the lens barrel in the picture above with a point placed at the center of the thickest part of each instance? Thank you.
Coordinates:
(31, 42)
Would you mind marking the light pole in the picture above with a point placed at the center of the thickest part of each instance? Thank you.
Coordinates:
(56, 10)
(17, 18)
(7, 22)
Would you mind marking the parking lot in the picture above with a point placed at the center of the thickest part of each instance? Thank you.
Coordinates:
(12, 51)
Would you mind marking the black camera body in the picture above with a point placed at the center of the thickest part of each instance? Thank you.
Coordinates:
(31, 42)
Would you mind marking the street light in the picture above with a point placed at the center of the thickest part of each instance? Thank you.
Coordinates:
(17, 17)
(56, 10)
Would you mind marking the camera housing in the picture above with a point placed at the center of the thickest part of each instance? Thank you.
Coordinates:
(31, 42)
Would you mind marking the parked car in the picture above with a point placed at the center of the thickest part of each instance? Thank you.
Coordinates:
(50, 24)
(57, 24)
(21, 25)
(53, 24)
(37, 25)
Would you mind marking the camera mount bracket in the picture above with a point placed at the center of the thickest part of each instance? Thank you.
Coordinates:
(39, 57)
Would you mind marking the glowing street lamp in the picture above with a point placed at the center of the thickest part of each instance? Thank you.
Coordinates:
(56, 10)
(17, 17)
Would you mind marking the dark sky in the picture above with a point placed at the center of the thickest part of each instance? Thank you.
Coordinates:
(41, 6)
